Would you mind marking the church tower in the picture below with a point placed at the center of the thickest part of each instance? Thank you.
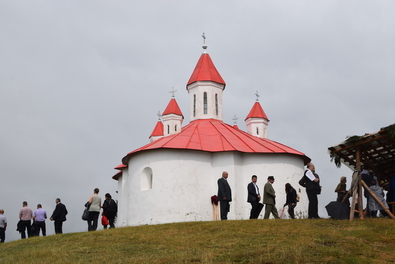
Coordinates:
(172, 117)
(205, 87)
(257, 121)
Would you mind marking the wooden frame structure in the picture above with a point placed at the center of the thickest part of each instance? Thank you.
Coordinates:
(377, 150)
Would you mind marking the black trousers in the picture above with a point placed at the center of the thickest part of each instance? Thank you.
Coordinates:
(92, 221)
(40, 225)
(291, 211)
(111, 220)
(2, 234)
(224, 209)
(255, 210)
(313, 204)
(58, 227)
(25, 227)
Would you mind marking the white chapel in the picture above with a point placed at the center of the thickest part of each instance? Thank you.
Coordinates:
(172, 178)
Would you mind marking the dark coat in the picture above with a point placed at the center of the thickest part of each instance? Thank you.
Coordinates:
(312, 186)
(291, 197)
(110, 208)
(60, 212)
(224, 190)
(252, 195)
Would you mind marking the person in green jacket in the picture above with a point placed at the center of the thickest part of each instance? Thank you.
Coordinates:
(269, 199)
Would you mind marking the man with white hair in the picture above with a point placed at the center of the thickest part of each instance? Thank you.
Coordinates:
(313, 188)
(3, 225)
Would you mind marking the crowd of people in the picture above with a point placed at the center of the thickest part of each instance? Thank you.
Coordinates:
(28, 229)
(310, 180)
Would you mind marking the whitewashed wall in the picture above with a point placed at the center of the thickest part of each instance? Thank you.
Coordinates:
(183, 182)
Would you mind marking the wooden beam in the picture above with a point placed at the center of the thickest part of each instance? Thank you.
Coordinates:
(377, 200)
(348, 145)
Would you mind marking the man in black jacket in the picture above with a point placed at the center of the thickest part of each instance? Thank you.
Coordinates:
(313, 188)
(59, 216)
(254, 197)
(224, 195)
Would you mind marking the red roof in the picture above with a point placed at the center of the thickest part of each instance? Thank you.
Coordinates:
(120, 167)
(158, 130)
(117, 175)
(215, 136)
(172, 108)
(205, 71)
(257, 111)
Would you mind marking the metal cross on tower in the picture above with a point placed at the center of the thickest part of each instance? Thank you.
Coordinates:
(234, 119)
(257, 96)
(172, 91)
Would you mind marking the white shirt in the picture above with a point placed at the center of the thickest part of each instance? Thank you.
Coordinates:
(256, 188)
(310, 175)
(3, 220)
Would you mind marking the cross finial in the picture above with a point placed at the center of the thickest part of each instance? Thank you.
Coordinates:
(172, 92)
(257, 96)
(204, 42)
(234, 119)
(159, 115)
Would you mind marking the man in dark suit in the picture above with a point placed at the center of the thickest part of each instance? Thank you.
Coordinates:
(312, 189)
(224, 195)
(59, 216)
(254, 197)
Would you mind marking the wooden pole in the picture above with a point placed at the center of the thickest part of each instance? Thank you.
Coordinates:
(360, 203)
(359, 169)
(353, 190)
(377, 199)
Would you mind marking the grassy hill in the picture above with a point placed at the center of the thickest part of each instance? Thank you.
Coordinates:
(246, 241)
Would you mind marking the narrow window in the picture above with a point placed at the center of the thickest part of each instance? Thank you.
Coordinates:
(257, 131)
(168, 129)
(175, 128)
(205, 103)
(216, 104)
(194, 105)
(146, 179)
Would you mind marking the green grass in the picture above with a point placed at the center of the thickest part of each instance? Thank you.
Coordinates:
(246, 241)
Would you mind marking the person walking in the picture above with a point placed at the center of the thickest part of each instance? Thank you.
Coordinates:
(25, 217)
(224, 195)
(3, 226)
(59, 216)
(110, 210)
(254, 197)
(291, 199)
(269, 199)
(94, 210)
(39, 217)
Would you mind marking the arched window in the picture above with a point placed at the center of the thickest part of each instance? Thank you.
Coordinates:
(257, 131)
(146, 179)
(175, 128)
(216, 104)
(194, 105)
(205, 103)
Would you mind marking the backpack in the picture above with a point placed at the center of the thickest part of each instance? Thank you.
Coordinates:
(302, 181)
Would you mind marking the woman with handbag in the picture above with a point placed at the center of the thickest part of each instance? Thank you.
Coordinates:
(110, 210)
(94, 210)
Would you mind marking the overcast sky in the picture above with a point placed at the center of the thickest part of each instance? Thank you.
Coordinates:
(81, 83)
